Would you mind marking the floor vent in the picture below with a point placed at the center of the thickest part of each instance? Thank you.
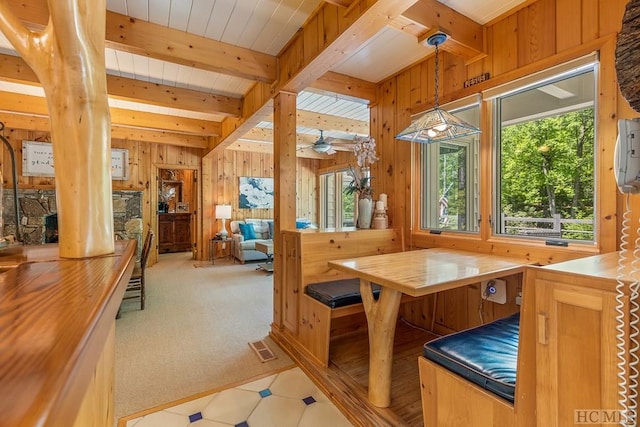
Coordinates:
(263, 351)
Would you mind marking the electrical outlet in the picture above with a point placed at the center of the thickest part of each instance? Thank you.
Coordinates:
(494, 290)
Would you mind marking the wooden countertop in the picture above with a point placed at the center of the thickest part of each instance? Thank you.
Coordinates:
(55, 315)
(603, 265)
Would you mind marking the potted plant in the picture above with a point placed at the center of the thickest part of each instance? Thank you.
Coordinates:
(360, 185)
(364, 148)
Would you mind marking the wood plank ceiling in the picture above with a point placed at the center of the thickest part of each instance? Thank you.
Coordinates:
(175, 62)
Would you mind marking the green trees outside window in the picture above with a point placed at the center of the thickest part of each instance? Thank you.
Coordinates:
(546, 160)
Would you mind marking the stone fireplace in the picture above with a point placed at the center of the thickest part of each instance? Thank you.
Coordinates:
(51, 228)
(39, 221)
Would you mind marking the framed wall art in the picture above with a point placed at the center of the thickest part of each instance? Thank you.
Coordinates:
(37, 160)
(255, 193)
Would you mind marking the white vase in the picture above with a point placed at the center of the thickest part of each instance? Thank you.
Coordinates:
(365, 212)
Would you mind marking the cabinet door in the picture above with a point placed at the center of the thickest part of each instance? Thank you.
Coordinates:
(183, 230)
(575, 352)
(165, 232)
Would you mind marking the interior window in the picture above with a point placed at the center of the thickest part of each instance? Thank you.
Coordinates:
(450, 180)
(545, 137)
(336, 208)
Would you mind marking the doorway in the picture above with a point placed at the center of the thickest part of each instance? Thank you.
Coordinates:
(177, 198)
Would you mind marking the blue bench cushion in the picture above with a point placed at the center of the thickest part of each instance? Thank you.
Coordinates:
(339, 293)
(485, 355)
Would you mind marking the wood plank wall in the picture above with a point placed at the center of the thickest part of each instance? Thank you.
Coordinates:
(219, 178)
(145, 159)
(531, 38)
(227, 167)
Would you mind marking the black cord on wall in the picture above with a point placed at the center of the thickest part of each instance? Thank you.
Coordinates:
(15, 181)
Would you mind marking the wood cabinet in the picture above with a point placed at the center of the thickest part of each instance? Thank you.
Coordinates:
(575, 339)
(174, 232)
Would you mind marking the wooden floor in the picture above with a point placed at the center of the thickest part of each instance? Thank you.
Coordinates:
(350, 357)
(345, 380)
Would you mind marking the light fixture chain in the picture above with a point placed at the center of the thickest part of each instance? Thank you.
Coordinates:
(437, 79)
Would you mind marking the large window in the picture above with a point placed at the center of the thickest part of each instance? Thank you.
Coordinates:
(336, 208)
(450, 180)
(545, 158)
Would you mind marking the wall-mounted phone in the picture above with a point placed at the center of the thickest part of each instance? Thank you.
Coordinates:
(626, 161)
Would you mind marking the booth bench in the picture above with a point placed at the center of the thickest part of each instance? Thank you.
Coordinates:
(562, 351)
(322, 304)
(307, 323)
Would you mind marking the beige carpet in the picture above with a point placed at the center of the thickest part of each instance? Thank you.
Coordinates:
(193, 335)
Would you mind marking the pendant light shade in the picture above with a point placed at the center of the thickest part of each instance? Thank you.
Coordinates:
(437, 124)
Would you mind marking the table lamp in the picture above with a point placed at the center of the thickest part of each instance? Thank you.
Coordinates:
(223, 212)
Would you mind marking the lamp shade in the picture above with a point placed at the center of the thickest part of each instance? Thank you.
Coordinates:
(223, 211)
(436, 125)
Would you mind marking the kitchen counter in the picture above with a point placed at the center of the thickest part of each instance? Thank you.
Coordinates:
(55, 317)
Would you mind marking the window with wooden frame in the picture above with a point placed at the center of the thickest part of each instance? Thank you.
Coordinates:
(544, 139)
(337, 209)
(449, 175)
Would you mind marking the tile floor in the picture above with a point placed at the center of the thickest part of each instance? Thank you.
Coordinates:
(286, 399)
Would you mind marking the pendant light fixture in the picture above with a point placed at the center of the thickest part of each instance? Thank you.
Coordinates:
(436, 125)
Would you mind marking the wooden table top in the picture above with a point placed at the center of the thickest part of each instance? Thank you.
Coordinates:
(427, 271)
(266, 247)
(55, 315)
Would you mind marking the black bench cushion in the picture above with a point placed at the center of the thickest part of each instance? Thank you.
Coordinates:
(485, 355)
(339, 293)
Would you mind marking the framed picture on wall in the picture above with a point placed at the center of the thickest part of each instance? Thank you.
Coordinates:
(37, 160)
(182, 207)
(255, 193)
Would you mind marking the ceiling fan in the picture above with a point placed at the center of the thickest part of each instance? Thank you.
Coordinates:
(324, 145)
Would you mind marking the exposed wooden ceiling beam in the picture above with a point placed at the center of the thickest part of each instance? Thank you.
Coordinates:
(359, 23)
(346, 85)
(320, 121)
(168, 44)
(341, 3)
(13, 68)
(302, 139)
(172, 97)
(25, 104)
(39, 123)
(303, 61)
(160, 137)
(409, 26)
(465, 35)
(266, 147)
(257, 106)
